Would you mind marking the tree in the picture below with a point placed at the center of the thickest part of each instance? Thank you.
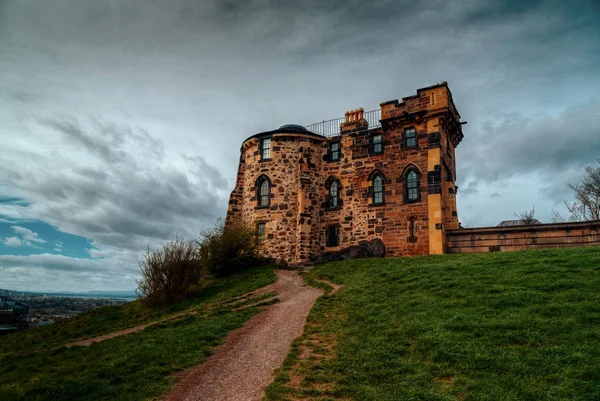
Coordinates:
(587, 196)
(228, 248)
(528, 217)
(170, 273)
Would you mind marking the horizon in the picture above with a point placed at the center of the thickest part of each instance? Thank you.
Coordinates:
(122, 122)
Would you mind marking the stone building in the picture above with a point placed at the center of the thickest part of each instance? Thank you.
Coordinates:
(387, 174)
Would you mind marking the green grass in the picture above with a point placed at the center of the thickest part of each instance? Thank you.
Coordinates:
(33, 366)
(499, 326)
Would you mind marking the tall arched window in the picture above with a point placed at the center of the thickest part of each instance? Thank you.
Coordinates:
(411, 183)
(377, 189)
(262, 191)
(333, 187)
(334, 198)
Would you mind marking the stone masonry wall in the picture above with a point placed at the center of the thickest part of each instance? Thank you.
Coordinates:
(298, 214)
(494, 239)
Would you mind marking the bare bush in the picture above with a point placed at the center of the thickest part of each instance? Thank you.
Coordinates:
(587, 196)
(170, 273)
(528, 217)
(228, 248)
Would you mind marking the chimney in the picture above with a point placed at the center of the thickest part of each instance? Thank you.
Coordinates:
(354, 121)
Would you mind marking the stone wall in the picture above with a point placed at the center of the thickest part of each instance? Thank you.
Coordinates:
(494, 239)
(299, 169)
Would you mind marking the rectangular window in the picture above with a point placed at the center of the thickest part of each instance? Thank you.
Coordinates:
(334, 151)
(260, 233)
(434, 181)
(332, 236)
(434, 140)
(265, 148)
(377, 144)
(410, 138)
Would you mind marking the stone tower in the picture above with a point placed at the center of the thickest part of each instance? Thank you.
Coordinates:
(391, 178)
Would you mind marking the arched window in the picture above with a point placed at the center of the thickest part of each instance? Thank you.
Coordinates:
(411, 185)
(377, 190)
(262, 191)
(334, 198)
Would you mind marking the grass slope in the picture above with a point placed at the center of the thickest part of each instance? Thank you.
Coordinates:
(34, 366)
(501, 326)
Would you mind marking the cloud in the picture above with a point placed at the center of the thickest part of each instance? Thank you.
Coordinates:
(12, 242)
(554, 147)
(120, 191)
(28, 235)
(50, 261)
(24, 238)
(122, 121)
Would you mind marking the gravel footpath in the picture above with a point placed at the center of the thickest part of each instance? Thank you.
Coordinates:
(243, 366)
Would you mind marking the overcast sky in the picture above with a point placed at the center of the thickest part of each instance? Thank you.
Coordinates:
(121, 121)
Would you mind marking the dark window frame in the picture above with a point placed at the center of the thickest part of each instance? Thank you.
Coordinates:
(332, 233)
(334, 199)
(337, 151)
(374, 144)
(381, 192)
(413, 136)
(263, 200)
(333, 202)
(265, 151)
(412, 192)
(261, 235)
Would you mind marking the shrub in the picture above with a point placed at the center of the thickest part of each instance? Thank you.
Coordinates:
(170, 273)
(228, 248)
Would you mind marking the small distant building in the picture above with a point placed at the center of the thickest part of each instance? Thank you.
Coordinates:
(516, 223)
(14, 315)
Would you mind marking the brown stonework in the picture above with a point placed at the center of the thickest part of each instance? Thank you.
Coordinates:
(493, 239)
(300, 170)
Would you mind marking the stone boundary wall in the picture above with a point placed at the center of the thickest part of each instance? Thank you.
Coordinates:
(494, 239)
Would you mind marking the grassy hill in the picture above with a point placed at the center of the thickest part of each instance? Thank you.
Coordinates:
(35, 365)
(499, 326)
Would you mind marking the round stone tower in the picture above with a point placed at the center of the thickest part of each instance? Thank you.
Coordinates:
(277, 190)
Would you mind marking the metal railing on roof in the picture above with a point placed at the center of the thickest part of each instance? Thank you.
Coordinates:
(331, 128)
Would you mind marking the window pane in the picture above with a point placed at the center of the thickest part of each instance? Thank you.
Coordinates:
(260, 233)
(411, 138)
(377, 144)
(378, 190)
(333, 194)
(335, 154)
(412, 186)
(265, 150)
(264, 193)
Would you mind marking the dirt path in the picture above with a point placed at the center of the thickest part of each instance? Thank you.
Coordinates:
(90, 341)
(242, 368)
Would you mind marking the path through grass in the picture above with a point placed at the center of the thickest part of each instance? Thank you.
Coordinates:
(34, 366)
